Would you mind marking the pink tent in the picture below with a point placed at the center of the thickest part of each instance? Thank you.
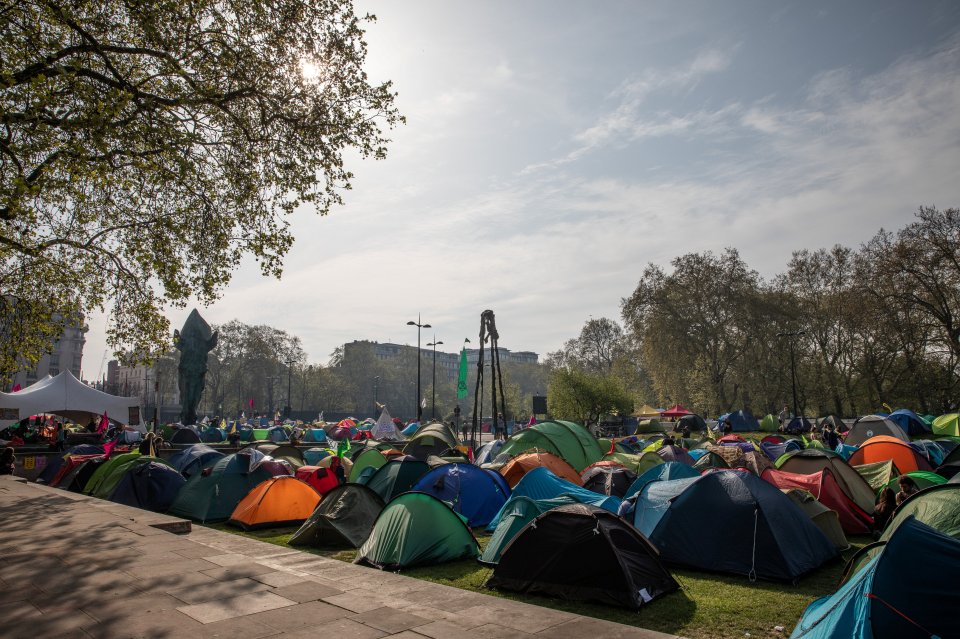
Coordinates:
(675, 412)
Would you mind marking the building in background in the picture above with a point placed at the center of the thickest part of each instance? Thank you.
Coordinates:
(155, 385)
(448, 364)
(67, 354)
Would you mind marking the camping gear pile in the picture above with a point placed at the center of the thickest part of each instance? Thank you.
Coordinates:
(569, 515)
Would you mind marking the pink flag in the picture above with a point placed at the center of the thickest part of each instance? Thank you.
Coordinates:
(109, 446)
(15, 388)
(533, 420)
(104, 423)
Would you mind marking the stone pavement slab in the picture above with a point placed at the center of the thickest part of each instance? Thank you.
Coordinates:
(75, 566)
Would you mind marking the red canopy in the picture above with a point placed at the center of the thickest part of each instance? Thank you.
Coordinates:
(675, 411)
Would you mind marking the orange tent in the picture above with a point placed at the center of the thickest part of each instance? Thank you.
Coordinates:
(514, 470)
(278, 501)
(883, 447)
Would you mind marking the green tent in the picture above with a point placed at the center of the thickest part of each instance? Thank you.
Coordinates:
(937, 507)
(878, 474)
(397, 476)
(515, 514)
(109, 481)
(213, 496)
(417, 529)
(370, 458)
(650, 426)
(105, 468)
(432, 439)
(572, 442)
(637, 464)
(948, 424)
(769, 424)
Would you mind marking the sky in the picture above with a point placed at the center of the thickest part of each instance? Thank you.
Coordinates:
(553, 149)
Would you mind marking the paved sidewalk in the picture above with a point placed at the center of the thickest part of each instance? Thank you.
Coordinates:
(75, 566)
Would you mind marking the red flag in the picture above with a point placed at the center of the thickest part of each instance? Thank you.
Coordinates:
(251, 403)
(613, 447)
(470, 453)
(15, 388)
(109, 446)
(104, 423)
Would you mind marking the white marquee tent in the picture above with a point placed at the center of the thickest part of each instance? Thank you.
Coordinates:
(67, 396)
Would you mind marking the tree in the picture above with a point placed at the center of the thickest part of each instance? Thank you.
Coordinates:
(147, 147)
(584, 397)
(596, 349)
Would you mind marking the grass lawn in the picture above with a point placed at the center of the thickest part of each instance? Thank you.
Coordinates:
(706, 606)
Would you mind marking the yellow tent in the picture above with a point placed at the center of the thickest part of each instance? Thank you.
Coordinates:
(646, 412)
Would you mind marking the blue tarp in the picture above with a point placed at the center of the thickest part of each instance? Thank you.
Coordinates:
(470, 490)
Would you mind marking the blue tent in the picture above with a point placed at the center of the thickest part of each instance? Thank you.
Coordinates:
(930, 450)
(488, 452)
(277, 434)
(469, 490)
(653, 499)
(773, 451)
(411, 429)
(661, 472)
(751, 528)
(844, 450)
(213, 435)
(909, 421)
(541, 485)
(194, 458)
(315, 435)
(906, 590)
(313, 455)
(151, 486)
(742, 421)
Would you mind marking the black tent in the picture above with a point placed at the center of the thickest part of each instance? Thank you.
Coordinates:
(693, 421)
(345, 517)
(75, 480)
(608, 480)
(185, 436)
(583, 553)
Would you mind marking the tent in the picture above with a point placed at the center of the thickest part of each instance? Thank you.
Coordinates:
(76, 479)
(312, 456)
(607, 478)
(775, 451)
(194, 458)
(410, 429)
(55, 463)
(663, 472)
(515, 514)
(764, 534)
(344, 517)
(674, 412)
(872, 425)
(212, 496)
(572, 442)
(397, 476)
(675, 454)
(106, 468)
(937, 507)
(883, 447)
(416, 529)
(922, 478)
(909, 421)
(769, 424)
(637, 464)
(385, 430)
(213, 435)
(583, 553)
(432, 439)
(694, 422)
(878, 474)
(541, 485)
(185, 435)
(823, 518)
(369, 460)
(741, 421)
(825, 488)
(948, 424)
(322, 480)
(514, 470)
(315, 436)
(836, 421)
(471, 491)
(740, 456)
(488, 452)
(813, 460)
(67, 396)
(275, 502)
(932, 451)
(149, 485)
(653, 425)
(646, 412)
(905, 590)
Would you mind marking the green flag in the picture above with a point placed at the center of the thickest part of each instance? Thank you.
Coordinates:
(343, 448)
(462, 376)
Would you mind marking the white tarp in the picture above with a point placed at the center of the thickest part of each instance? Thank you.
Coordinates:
(67, 396)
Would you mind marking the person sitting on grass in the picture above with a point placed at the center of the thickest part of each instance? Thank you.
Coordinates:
(886, 504)
(907, 487)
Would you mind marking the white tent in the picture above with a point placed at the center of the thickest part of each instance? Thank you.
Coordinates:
(385, 430)
(67, 396)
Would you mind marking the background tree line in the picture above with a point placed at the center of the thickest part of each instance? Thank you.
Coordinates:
(875, 325)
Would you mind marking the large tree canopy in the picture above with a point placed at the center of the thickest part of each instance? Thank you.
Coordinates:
(147, 146)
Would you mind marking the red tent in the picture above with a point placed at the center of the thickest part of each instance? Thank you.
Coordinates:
(323, 480)
(675, 412)
(824, 487)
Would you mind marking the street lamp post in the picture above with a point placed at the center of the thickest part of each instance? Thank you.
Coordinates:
(289, 406)
(376, 387)
(792, 336)
(433, 392)
(419, 327)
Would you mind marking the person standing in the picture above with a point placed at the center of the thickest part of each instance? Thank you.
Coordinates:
(784, 418)
(501, 427)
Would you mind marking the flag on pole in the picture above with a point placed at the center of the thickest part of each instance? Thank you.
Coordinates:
(462, 375)
(15, 388)
(104, 424)
(343, 448)
(423, 403)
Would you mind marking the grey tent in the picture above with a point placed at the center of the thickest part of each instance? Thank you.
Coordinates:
(345, 517)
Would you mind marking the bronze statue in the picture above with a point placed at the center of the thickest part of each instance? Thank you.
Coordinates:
(194, 342)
